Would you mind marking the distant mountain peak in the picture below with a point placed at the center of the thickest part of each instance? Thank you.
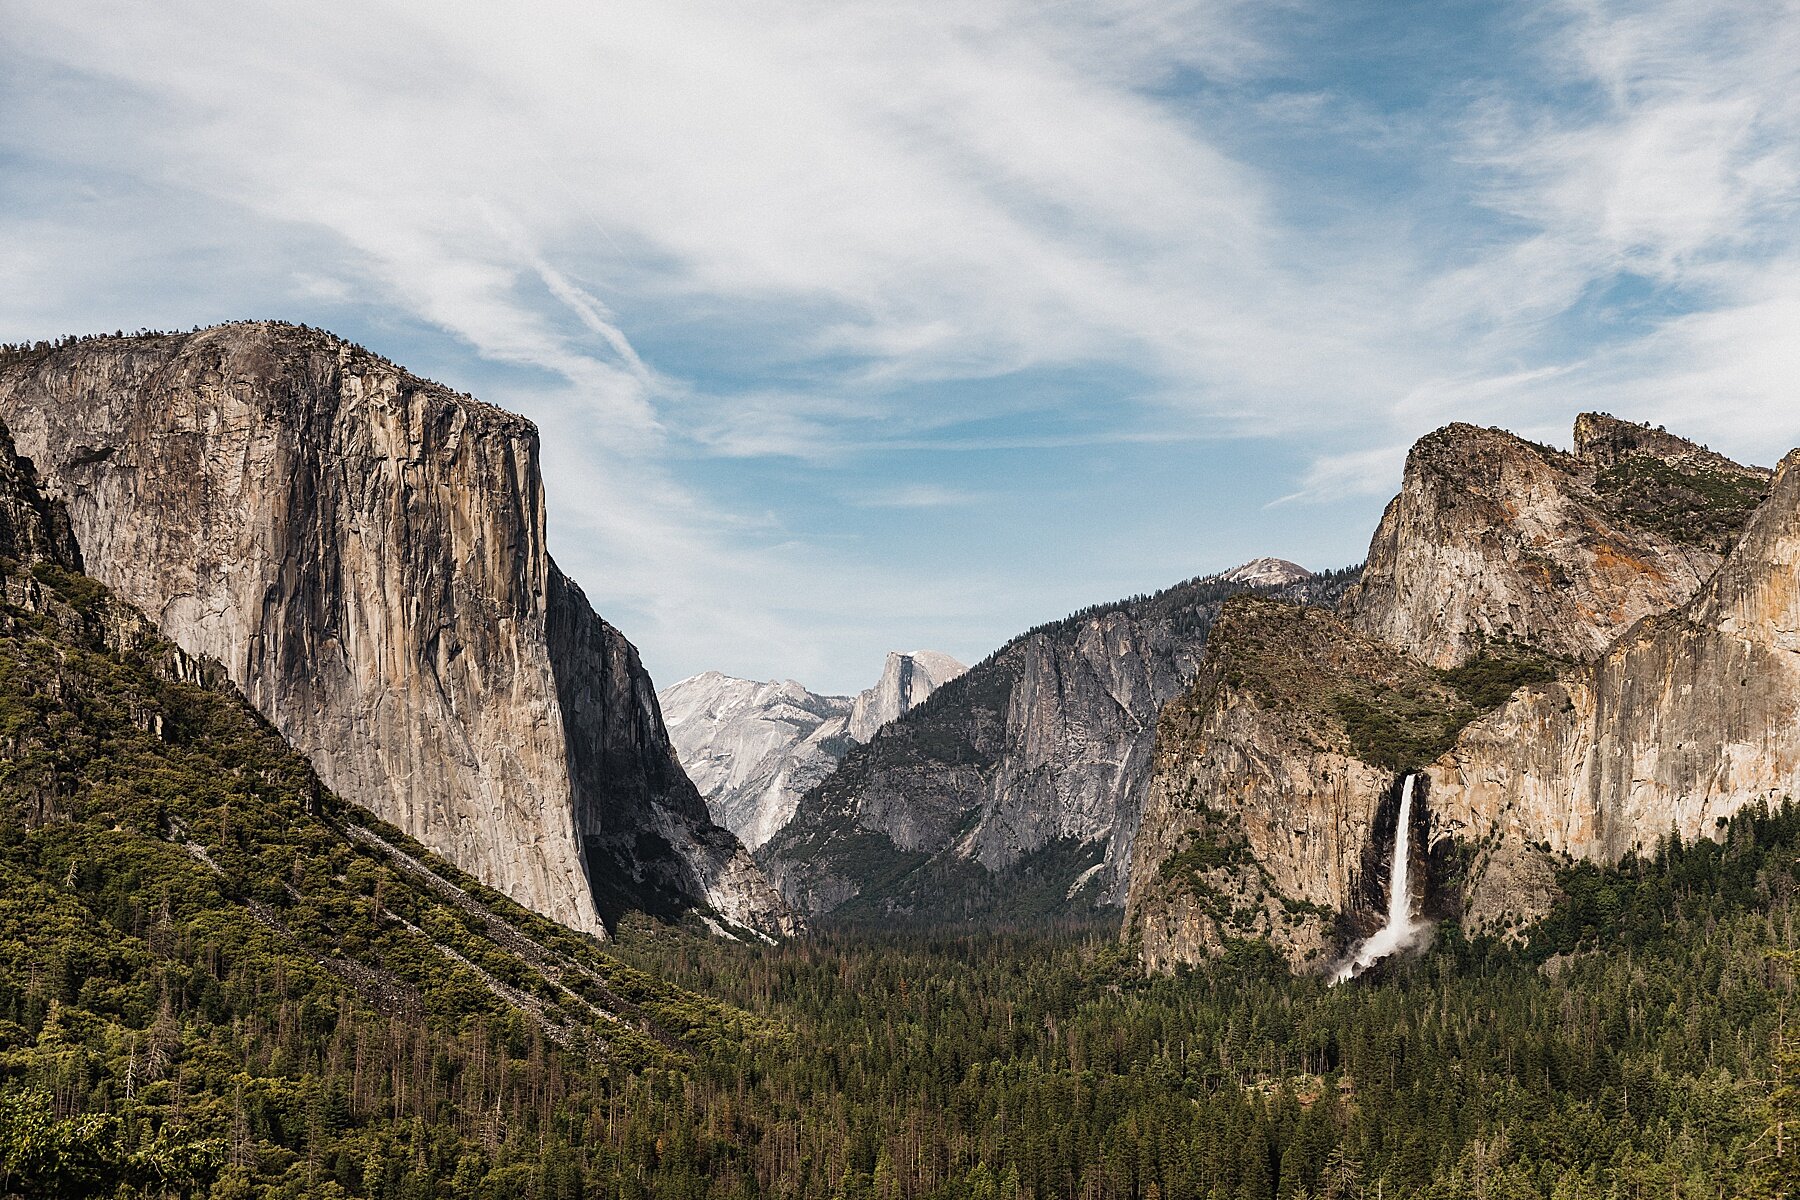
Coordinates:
(1268, 572)
(753, 747)
(907, 678)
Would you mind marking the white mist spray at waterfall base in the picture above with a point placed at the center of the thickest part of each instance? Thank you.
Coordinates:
(1401, 932)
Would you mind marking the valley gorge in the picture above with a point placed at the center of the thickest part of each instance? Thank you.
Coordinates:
(363, 553)
(900, 601)
(754, 748)
(1015, 788)
(218, 977)
(1549, 640)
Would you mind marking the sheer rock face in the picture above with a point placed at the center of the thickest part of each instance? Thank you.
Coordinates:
(33, 530)
(1080, 723)
(1681, 703)
(1053, 740)
(1493, 538)
(648, 837)
(1688, 718)
(1240, 764)
(1031, 769)
(364, 552)
(907, 681)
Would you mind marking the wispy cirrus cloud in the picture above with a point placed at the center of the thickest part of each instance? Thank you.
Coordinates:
(1030, 261)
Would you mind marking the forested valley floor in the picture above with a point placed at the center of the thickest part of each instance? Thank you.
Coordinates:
(217, 979)
(1642, 1043)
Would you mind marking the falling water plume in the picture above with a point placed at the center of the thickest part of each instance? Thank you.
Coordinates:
(1401, 931)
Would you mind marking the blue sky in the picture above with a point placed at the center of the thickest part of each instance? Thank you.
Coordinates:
(858, 326)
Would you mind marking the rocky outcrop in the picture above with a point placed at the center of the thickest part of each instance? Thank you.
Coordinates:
(364, 553)
(1496, 539)
(1016, 789)
(33, 530)
(1549, 640)
(753, 749)
(647, 837)
(1256, 798)
(1268, 573)
(1273, 787)
(1668, 484)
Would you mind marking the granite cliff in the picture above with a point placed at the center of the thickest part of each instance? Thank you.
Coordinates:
(1016, 788)
(1496, 538)
(363, 552)
(907, 681)
(1579, 651)
(1689, 717)
(753, 749)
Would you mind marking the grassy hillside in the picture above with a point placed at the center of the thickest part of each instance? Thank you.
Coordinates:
(213, 973)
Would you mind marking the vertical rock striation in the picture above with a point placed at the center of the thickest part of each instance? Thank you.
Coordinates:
(364, 552)
(647, 836)
(1685, 720)
(1258, 805)
(33, 529)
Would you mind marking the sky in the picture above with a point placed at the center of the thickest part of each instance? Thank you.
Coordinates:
(858, 326)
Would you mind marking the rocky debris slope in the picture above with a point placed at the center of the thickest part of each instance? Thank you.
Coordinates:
(364, 553)
(1528, 636)
(753, 749)
(1016, 788)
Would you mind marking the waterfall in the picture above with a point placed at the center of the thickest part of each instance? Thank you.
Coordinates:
(1401, 930)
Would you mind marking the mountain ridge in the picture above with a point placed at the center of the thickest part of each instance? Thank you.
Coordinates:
(1024, 769)
(754, 747)
(1517, 611)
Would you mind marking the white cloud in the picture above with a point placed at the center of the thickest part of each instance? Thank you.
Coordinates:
(921, 495)
(816, 211)
(1673, 172)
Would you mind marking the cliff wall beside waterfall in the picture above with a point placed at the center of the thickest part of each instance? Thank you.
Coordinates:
(1579, 651)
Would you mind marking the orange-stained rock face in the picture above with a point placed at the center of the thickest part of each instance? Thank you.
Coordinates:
(1685, 720)
(1493, 538)
(1677, 704)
